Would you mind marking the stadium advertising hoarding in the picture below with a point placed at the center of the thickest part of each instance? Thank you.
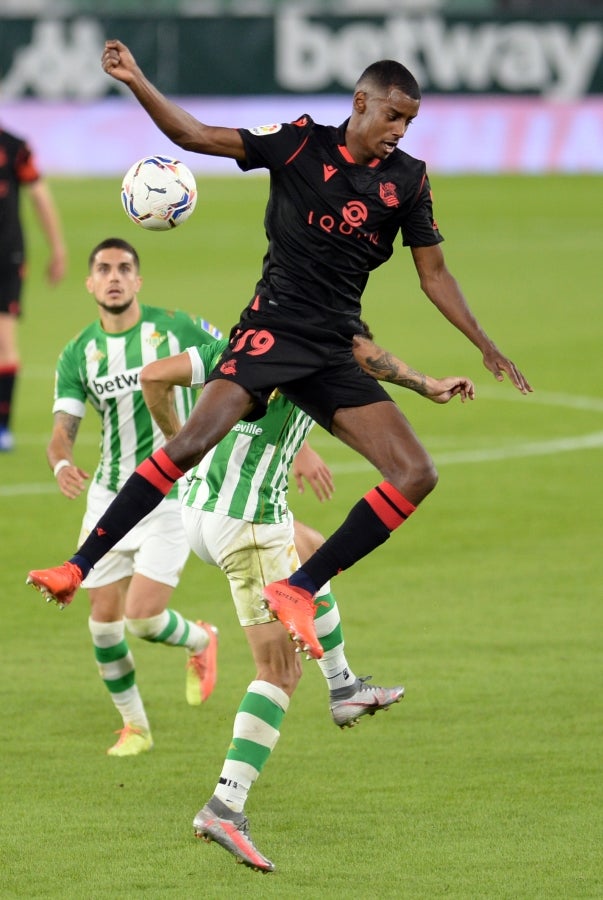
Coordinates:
(499, 95)
(292, 52)
(454, 135)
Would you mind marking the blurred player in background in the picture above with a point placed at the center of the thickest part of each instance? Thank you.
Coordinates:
(18, 168)
(134, 583)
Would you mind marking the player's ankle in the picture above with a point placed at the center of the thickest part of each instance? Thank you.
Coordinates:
(301, 580)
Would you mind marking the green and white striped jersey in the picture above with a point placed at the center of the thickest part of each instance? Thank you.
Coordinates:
(247, 475)
(104, 369)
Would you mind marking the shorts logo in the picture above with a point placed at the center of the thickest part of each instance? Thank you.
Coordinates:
(388, 194)
(229, 367)
(301, 122)
(263, 130)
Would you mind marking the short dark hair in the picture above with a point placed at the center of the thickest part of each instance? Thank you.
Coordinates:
(108, 244)
(388, 73)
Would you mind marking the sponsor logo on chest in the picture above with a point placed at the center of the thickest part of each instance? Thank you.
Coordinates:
(116, 385)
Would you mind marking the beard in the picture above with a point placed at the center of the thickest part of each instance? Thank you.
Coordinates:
(118, 309)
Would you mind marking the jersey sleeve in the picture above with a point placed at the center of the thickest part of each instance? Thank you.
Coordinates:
(207, 331)
(419, 228)
(272, 146)
(192, 329)
(69, 391)
(26, 168)
(203, 359)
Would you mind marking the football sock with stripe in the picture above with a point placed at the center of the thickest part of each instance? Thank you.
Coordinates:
(170, 627)
(256, 731)
(142, 492)
(116, 667)
(368, 524)
(327, 621)
(8, 379)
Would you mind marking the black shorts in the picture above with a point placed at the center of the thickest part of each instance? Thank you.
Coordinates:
(313, 368)
(11, 282)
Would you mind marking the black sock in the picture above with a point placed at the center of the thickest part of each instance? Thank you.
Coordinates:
(8, 378)
(142, 492)
(368, 524)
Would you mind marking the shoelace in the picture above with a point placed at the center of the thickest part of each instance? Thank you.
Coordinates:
(126, 731)
(198, 664)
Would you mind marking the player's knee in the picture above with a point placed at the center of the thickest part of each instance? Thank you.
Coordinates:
(428, 476)
(416, 479)
(307, 540)
(186, 450)
(146, 629)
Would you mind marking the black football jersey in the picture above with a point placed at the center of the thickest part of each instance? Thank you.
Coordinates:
(329, 221)
(17, 167)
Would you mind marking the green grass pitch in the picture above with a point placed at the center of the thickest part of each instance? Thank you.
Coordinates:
(486, 781)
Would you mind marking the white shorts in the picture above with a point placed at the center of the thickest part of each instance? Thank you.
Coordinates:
(250, 555)
(156, 547)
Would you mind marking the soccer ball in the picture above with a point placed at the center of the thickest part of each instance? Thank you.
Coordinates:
(158, 192)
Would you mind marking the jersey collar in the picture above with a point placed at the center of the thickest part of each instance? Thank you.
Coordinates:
(346, 153)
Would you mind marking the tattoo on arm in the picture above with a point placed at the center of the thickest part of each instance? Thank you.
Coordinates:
(69, 424)
(386, 367)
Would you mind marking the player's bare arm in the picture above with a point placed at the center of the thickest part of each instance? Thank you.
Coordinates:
(59, 453)
(384, 366)
(158, 380)
(49, 221)
(178, 125)
(445, 293)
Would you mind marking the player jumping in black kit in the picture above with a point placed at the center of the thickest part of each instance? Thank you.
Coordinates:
(338, 199)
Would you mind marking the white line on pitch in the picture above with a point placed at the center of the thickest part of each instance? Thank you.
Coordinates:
(516, 451)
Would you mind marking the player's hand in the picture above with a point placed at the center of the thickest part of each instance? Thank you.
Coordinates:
(441, 390)
(56, 268)
(72, 481)
(118, 62)
(498, 364)
(309, 465)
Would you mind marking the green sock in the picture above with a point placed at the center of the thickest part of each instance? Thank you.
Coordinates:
(255, 734)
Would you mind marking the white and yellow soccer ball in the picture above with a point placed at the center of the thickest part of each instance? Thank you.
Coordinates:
(159, 192)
